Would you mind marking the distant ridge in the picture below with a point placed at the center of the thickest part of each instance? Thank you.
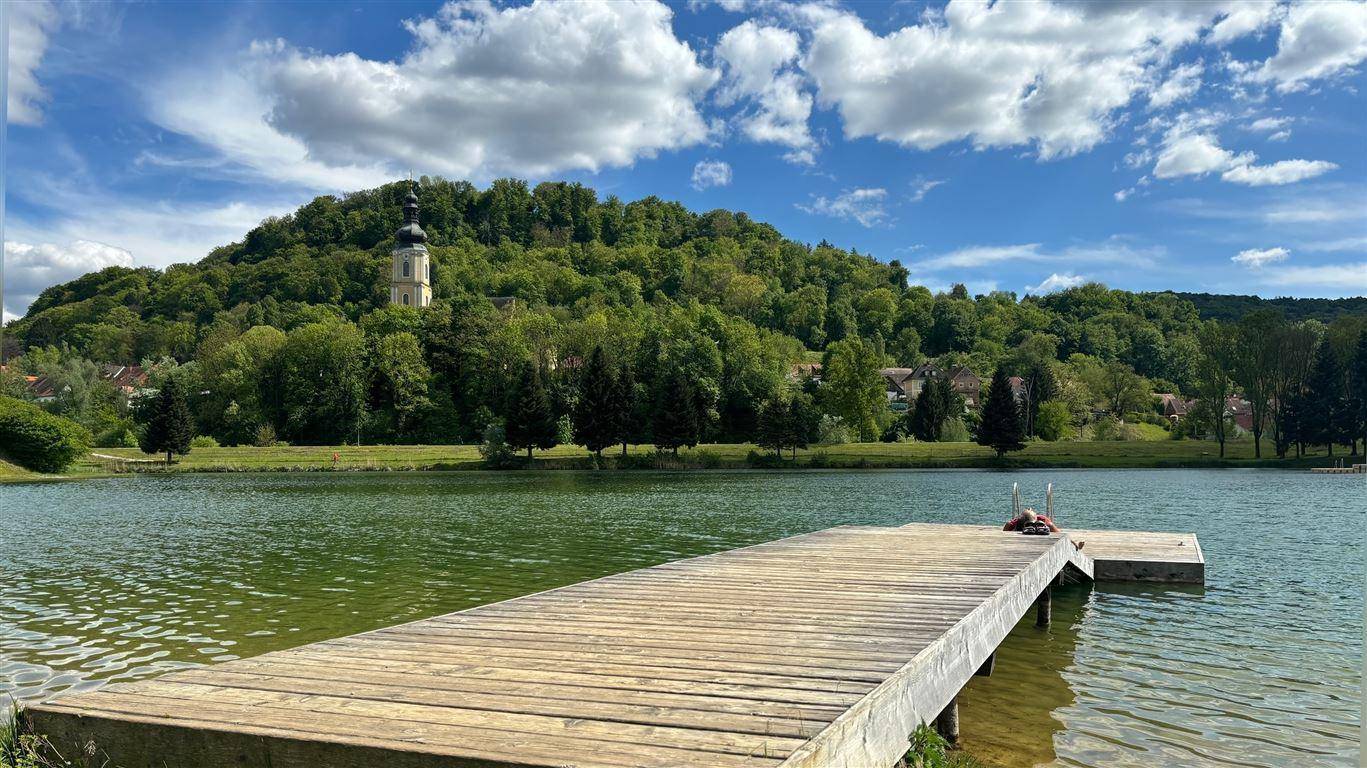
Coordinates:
(1227, 307)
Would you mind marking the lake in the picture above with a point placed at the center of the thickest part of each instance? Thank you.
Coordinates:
(122, 578)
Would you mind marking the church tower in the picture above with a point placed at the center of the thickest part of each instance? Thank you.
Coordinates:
(410, 275)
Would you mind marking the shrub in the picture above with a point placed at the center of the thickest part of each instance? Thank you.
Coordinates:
(203, 441)
(954, 431)
(1053, 420)
(33, 438)
(265, 436)
(834, 431)
(495, 450)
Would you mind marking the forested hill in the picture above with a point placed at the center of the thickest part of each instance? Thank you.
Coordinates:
(587, 271)
(1227, 308)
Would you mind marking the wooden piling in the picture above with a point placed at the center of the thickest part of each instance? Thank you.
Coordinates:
(947, 724)
(1044, 607)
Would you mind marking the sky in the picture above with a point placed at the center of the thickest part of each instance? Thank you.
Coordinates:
(1020, 146)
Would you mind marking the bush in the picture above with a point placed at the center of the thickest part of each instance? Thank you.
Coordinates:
(495, 450)
(1053, 420)
(33, 438)
(955, 431)
(834, 431)
(203, 441)
(265, 436)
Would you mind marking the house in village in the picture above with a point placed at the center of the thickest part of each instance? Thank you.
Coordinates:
(909, 383)
(1172, 406)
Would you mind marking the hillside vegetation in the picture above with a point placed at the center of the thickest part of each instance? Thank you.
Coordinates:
(699, 316)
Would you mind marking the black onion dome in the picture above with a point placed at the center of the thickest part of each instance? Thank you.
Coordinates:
(411, 232)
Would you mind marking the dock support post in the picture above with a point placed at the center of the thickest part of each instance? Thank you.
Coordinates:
(947, 724)
(1044, 607)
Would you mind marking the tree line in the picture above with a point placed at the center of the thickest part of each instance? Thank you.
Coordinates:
(697, 320)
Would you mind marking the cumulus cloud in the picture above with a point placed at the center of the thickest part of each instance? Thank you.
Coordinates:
(1258, 257)
(757, 61)
(1182, 84)
(484, 90)
(1055, 282)
(1317, 40)
(711, 173)
(1243, 19)
(999, 75)
(1197, 154)
(865, 206)
(30, 25)
(30, 267)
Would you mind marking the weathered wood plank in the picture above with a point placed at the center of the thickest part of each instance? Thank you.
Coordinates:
(824, 649)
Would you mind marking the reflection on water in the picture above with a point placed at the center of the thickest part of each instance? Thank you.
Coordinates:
(123, 578)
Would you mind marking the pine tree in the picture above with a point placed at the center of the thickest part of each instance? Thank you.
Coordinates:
(674, 421)
(1040, 385)
(169, 425)
(801, 423)
(773, 430)
(530, 422)
(1001, 427)
(1322, 417)
(624, 407)
(1357, 391)
(595, 416)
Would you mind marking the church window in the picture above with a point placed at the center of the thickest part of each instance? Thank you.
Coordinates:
(405, 299)
(405, 268)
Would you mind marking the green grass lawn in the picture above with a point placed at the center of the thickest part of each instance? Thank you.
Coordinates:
(1136, 453)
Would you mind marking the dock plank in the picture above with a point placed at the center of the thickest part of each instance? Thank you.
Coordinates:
(824, 649)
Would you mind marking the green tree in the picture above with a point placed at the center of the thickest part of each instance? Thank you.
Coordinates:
(1053, 421)
(1001, 428)
(628, 418)
(597, 414)
(1357, 394)
(324, 374)
(1323, 413)
(1255, 358)
(529, 421)
(1039, 385)
(933, 406)
(1214, 382)
(401, 378)
(852, 388)
(774, 430)
(1121, 389)
(803, 422)
(674, 421)
(168, 425)
(38, 440)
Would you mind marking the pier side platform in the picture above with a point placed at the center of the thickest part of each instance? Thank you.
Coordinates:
(823, 649)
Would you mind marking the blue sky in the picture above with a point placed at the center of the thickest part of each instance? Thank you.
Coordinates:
(1023, 146)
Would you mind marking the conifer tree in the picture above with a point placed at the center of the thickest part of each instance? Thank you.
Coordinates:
(774, 428)
(1325, 402)
(1001, 428)
(624, 407)
(802, 422)
(530, 421)
(170, 426)
(1357, 392)
(595, 415)
(674, 422)
(931, 410)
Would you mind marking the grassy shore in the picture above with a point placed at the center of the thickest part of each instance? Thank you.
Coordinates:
(1138, 453)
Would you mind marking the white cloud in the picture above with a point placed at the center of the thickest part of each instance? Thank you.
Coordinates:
(1243, 19)
(1341, 244)
(1113, 251)
(484, 90)
(756, 60)
(30, 25)
(30, 268)
(1269, 124)
(998, 75)
(1197, 154)
(1055, 282)
(862, 205)
(1281, 172)
(1342, 279)
(711, 173)
(1318, 40)
(1259, 257)
(1182, 83)
(921, 186)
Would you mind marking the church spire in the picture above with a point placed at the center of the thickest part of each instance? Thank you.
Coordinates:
(411, 232)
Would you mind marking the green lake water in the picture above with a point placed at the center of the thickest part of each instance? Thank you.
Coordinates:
(123, 578)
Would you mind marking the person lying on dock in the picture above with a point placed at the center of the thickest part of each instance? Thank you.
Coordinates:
(1031, 522)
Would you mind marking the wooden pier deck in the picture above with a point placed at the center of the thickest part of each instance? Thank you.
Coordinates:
(824, 649)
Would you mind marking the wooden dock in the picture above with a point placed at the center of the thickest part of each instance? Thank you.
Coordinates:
(824, 649)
